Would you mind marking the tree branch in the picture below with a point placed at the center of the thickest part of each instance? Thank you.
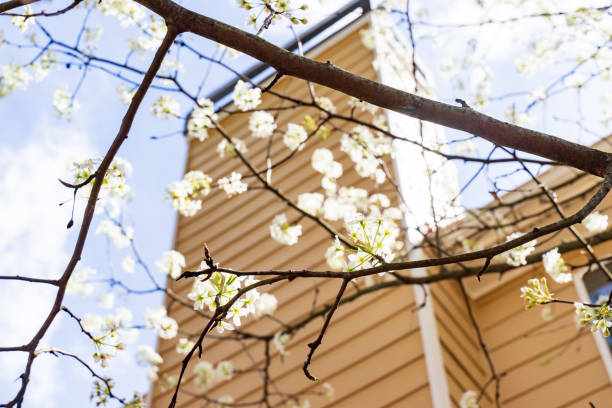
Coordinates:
(496, 131)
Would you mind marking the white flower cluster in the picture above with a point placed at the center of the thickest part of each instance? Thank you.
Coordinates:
(469, 399)
(376, 235)
(375, 238)
(157, 318)
(295, 136)
(283, 232)
(22, 22)
(599, 317)
(183, 193)
(125, 94)
(261, 125)
(465, 148)
(128, 12)
(13, 76)
(171, 263)
(324, 163)
(518, 256)
(78, 283)
(109, 333)
(114, 183)
(364, 149)
(166, 107)
(311, 203)
(207, 374)
(595, 222)
(92, 35)
(120, 236)
(153, 31)
(128, 264)
(265, 304)
(184, 346)
(148, 357)
(225, 148)
(201, 118)
(218, 289)
(245, 98)
(555, 266)
(325, 103)
(363, 106)
(63, 103)
(275, 8)
(233, 185)
(281, 341)
(536, 293)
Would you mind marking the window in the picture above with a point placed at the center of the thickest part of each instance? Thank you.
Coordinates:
(594, 287)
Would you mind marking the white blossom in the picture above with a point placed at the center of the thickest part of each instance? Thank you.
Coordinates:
(465, 148)
(78, 282)
(518, 256)
(311, 203)
(63, 103)
(205, 374)
(225, 148)
(125, 94)
(183, 194)
(13, 76)
(595, 222)
(166, 107)
(547, 314)
(120, 236)
(599, 317)
(281, 341)
(335, 256)
(156, 318)
(147, 355)
(363, 106)
(328, 390)
(22, 22)
(233, 185)
(184, 346)
(294, 136)
(536, 292)
(245, 98)
(265, 305)
(575, 80)
(326, 104)
(126, 11)
(555, 266)
(114, 183)
(261, 124)
(225, 370)
(323, 162)
(128, 264)
(201, 119)
(469, 400)
(106, 300)
(283, 232)
(171, 263)
(225, 401)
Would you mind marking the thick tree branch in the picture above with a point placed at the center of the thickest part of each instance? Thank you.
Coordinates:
(462, 118)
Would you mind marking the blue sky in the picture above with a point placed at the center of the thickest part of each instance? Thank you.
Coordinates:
(36, 146)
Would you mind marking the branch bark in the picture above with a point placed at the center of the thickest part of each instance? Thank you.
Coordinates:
(462, 118)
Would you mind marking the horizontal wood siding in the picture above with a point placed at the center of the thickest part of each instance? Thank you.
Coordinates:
(372, 353)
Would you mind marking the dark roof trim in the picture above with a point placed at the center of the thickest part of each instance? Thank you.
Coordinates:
(257, 69)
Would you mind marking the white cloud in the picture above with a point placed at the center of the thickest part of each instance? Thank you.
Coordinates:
(33, 243)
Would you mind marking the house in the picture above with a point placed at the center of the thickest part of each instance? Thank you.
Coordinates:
(382, 349)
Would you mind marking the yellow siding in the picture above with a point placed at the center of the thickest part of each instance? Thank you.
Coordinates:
(552, 364)
(372, 353)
